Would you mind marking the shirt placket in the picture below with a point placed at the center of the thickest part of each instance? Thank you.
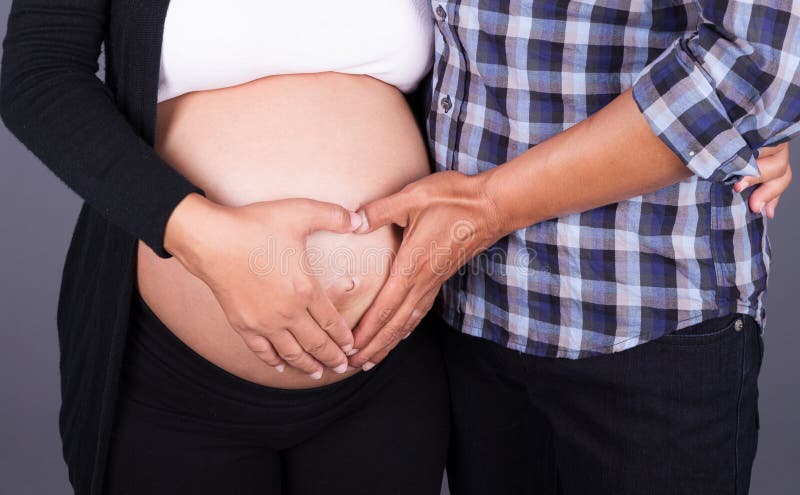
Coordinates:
(447, 87)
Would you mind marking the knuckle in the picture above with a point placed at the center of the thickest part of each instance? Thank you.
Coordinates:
(250, 323)
(291, 356)
(261, 325)
(239, 325)
(328, 212)
(410, 188)
(254, 322)
(316, 347)
(340, 216)
(285, 312)
(269, 358)
(392, 335)
(329, 325)
(385, 314)
(407, 278)
(306, 205)
(268, 332)
(257, 345)
(414, 191)
(304, 290)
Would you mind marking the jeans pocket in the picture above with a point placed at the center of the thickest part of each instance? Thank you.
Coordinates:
(705, 332)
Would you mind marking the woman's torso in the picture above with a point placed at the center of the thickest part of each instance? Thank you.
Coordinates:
(335, 137)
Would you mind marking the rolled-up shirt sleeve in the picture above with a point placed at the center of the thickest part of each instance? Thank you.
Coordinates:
(717, 95)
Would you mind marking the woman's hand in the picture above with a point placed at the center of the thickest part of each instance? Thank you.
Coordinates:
(253, 258)
(776, 175)
(448, 219)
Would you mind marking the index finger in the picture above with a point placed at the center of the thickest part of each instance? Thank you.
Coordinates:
(386, 338)
(389, 299)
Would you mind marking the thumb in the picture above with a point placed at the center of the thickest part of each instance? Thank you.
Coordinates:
(319, 215)
(383, 211)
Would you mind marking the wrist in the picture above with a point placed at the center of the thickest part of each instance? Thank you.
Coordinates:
(182, 233)
(496, 193)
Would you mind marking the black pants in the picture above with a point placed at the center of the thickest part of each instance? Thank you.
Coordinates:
(674, 416)
(185, 426)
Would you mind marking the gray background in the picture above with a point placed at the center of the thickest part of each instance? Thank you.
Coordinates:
(38, 214)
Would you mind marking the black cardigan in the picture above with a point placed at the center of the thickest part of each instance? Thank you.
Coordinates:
(97, 137)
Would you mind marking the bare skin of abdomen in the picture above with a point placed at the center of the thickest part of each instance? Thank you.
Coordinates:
(344, 139)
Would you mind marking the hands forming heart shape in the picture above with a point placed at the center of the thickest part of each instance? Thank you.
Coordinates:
(447, 219)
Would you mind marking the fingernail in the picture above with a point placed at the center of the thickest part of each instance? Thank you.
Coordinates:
(351, 352)
(355, 220)
(368, 366)
(742, 185)
(761, 206)
(280, 368)
(406, 335)
(341, 368)
(316, 375)
(363, 222)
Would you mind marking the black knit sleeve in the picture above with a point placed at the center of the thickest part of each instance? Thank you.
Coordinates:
(52, 101)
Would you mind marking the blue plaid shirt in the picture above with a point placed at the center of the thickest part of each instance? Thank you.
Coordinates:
(715, 80)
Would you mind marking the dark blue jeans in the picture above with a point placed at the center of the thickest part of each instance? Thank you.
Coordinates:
(677, 415)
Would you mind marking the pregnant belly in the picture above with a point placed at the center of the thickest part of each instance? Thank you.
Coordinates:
(340, 138)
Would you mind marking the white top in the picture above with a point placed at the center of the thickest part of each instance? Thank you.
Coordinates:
(211, 44)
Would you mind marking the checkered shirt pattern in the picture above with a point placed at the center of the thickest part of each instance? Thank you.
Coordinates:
(716, 80)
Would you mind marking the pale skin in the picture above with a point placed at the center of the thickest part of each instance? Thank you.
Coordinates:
(524, 191)
(262, 285)
(298, 325)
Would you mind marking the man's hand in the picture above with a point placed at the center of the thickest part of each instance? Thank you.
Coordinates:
(448, 219)
(776, 175)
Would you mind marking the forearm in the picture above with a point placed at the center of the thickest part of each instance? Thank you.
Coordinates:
(186, 227)
(52, 101)
(610, 156)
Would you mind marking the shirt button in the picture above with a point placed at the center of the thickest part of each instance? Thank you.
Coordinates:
(447, 104)
(441, 13)
(692, 153)
(739, 325)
